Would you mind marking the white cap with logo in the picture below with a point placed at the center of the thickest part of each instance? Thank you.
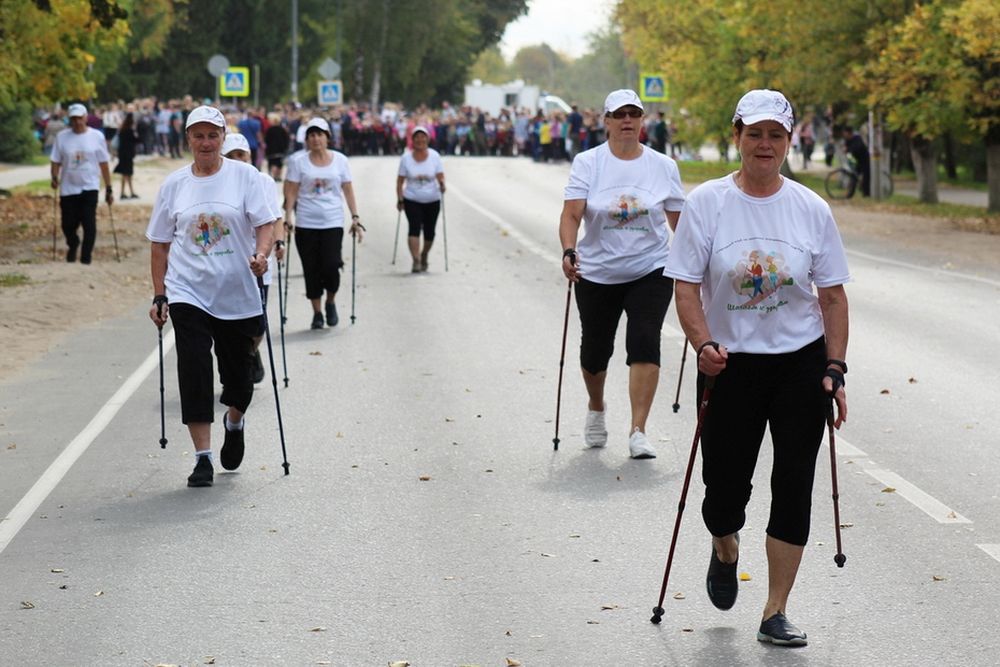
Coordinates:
(762, 104)
(318, 123)
(621, 98)
(206, 114)
(76, 110)
(235, 142)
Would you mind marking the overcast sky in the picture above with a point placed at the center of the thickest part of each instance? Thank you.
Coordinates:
(562, 24)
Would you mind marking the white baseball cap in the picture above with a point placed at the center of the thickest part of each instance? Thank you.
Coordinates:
(319, 123)
(235, 142)
(762, 104)
(420, 128)
(206, 114)
(76, 110)
(621, 98)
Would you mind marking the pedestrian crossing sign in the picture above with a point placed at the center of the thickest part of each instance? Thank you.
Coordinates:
(329, 92)
(653, 88)
(235, 82)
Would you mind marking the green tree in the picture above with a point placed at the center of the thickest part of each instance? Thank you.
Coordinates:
(539, 65)
(490, 67)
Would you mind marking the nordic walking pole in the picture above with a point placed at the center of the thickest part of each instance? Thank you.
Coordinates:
(114, 234)
(288, 274)
(281, 314)
(354, 263)
(163, 410)
(840, 558)
(562, 357)
(680, 377)
(658, 610)
(274, 378)
(395, 244)
(444, 231)
(55, 221)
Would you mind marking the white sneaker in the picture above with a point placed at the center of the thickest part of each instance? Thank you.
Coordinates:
(639, 447)
(595, 433)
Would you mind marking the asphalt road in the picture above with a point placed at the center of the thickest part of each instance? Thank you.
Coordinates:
(507, 550)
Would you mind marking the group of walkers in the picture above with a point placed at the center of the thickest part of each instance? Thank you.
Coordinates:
(748, 251)
(756, 265)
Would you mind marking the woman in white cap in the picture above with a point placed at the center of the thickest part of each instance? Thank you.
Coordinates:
(749, 250)
(80, 157)
(419, 187)
(626, 195)
(236, 147)
(211, 230)
(317, 182)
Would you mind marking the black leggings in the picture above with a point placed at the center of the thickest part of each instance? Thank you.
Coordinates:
(784, 392)
(644, 302)
(422, 217)
(197, 333)
(320, 252)
(80, 210)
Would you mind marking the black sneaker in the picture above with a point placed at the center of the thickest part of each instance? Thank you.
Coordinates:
(258, 367)
(331, 314)
(722, 581)
(317, 321)
(71, 254)
(231, 455)
(203, 473)
(779, 631)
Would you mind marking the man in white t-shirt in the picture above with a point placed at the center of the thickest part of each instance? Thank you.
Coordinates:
(79, 163)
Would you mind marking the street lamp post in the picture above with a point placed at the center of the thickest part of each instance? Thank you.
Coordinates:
(295, 50)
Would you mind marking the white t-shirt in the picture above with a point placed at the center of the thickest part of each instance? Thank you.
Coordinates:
(271, 190)
(319, 204)
(421, 177)
(209, 222)
(757, 259)
(625, 228)
(79, 157)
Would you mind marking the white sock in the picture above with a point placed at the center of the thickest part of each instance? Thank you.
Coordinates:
(234, 427)
(207, 453)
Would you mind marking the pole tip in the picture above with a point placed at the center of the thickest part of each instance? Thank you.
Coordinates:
(657, 615)
(555, 444)
(163, 443)
(840, 559)
(676, 406)
(285, 466)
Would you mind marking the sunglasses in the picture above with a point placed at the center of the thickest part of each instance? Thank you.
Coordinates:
(618, 114)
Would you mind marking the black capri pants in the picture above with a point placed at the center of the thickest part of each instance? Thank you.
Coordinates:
(320, 251)
(197, 333)
(785, 392)
(422, 217)
(644, 302)
(80, 210)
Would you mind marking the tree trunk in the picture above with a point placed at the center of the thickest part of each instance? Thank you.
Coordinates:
(950, 168)
(925, 164)
(993, 172)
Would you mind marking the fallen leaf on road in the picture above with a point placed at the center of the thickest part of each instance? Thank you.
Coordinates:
(27, 605)
(595, 560)
(548, 555)
(511, 662)
(593, 622)
(318, 628)
(489, 470)
(889, 489)
(98, 594)
(399, 663)
(687, 629)
(508, 634)
(608, 607)
(209, 660)
(425, 478)
(912, 380)
(679, 596)
(63, 587)
(57, 570)
(952, 515)
(12, 446)
(317, 353)
(165, 664)
(340, 434)
(448, 419)
(574, 535)
(937, 578)
(884, 391)
(847, 525)
(745, 576)
(324, 662)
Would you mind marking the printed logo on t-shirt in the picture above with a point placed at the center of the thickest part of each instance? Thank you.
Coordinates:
(421, 179)
(320, 186)
(79, 157)
(208, 231)
(758, 277)
(626, 211)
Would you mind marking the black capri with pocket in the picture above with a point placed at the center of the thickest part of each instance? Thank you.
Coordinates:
(421, 216)
(755, 391)
(320, 251)
(197, 333)
(644, 302)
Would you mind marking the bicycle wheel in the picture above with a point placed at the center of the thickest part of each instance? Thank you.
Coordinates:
(840, 184)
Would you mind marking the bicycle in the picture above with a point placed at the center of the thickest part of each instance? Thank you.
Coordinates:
(841, 183)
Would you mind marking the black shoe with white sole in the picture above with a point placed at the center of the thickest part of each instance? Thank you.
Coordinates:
(779, 631)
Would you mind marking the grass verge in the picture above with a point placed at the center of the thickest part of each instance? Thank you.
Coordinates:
(13, 279)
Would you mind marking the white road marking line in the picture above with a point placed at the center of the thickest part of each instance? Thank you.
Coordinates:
(923, 501)
(923, 269)
(36, 495)
(845, 448)
(521, 238)
(992, 549)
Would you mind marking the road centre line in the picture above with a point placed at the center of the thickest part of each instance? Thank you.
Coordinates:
(521, 238)
(11, 525)
(993, 550)
(923, 269)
